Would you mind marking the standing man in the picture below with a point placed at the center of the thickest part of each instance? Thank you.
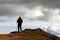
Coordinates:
(19, 21)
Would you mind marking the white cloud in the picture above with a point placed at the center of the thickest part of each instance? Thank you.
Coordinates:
(8, 24)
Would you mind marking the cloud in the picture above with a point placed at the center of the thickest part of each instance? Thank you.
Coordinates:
(44, 3)
(54, 29)
(12, 8)
(33, 3)
(23, 11)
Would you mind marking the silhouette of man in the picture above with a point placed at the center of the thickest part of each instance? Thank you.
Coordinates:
(19, 21)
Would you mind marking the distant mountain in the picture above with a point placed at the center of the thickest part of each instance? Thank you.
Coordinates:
(29, 34)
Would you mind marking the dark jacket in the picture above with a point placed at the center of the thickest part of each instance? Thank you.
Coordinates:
(19, 21)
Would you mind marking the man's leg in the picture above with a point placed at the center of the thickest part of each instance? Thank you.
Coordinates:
(18, 28)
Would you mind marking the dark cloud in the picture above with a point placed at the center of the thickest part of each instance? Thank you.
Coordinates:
(45, 3)
(11, 7)
(9, 11)
(4, 11)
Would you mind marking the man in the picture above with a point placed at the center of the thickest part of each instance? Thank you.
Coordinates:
(19, 21)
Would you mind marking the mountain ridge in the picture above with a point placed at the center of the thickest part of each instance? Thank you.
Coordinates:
(29, 34)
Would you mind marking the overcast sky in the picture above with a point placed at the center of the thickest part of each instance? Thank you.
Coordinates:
(28, 8)
(38, 13)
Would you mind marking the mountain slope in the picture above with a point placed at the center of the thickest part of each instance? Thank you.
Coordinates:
(28, 34)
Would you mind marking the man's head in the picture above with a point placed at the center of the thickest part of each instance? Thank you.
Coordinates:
(19, 17)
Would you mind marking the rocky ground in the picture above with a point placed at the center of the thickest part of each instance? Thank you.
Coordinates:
(28, 34)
